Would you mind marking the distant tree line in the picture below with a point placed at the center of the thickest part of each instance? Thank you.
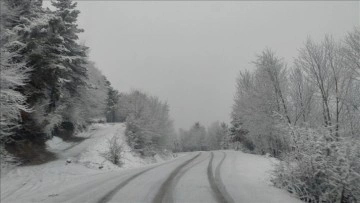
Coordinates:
(198, 138)
(308, 115)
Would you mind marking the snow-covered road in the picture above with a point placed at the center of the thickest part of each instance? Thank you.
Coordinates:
(219, 176)
(216, 176)
(201, 177)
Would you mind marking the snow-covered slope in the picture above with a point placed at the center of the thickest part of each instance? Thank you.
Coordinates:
(85, 156)
(90, 152)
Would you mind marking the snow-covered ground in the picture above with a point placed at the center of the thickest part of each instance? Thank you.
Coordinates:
(90, 152)
(247, 178)
(191, 177)
(85, 157)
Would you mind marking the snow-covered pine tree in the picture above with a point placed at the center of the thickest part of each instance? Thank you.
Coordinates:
(57, 61)
(69, 61)
(13, 74)
(71, 56)
(111, 103)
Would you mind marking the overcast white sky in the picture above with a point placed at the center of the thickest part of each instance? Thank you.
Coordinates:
(189, 53)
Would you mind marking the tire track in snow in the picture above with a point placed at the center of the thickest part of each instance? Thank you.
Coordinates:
(108, 196)
(219, 182)
(164, 193)
(216, 183)
(169, 196)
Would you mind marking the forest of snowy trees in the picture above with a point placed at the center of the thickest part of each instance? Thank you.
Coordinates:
(307, 115)
(50, 87)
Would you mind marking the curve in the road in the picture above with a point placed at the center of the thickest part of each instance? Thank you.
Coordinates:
(166, 186)
(107, 197)
(110, 194)
(216, 184)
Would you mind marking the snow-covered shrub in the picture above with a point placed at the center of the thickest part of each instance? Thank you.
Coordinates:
(319, 167)
(114, 151)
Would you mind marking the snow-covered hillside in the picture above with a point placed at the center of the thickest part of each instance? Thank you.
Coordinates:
(90, 152)
(85, 158)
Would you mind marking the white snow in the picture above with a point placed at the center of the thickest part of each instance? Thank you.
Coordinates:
(247, 178)
(92, 156)
(76, 173)
(57, 144)
(85, 158)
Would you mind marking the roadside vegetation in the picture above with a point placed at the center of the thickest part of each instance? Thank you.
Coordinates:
(114, 151)
(307, 115)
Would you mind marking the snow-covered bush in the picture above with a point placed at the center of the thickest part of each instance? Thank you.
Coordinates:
(320, 168)
(114, 151)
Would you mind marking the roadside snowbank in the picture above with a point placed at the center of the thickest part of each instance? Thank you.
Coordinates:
(248, 178)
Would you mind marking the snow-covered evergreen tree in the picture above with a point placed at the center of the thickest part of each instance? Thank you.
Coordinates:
(112, 102)
(50, 49)
(13, 74)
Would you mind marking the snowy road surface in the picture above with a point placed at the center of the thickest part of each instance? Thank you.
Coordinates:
(218, 176)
